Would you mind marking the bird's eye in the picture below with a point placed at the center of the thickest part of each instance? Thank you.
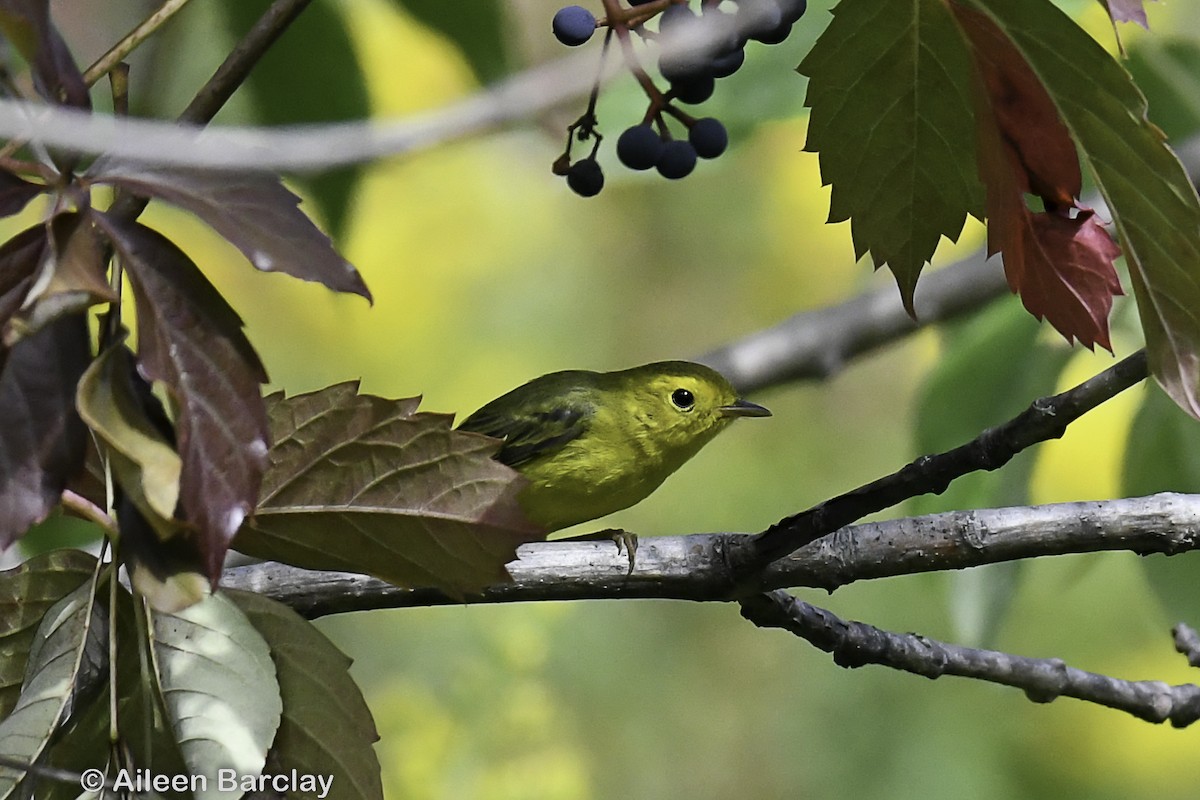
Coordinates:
(683, 399)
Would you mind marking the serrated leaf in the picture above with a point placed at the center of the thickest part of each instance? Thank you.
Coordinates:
(41, 435)
(481, 35)
(255, 212)
(15, 193)
(219, 690)
(27, 592)
(310, 75)
(364, 484)
(71, 277)
(327, 728)
(55, 660)
(27, 24)
(893, 143)
(1167, 71)
(191, 340)
(1153, 204)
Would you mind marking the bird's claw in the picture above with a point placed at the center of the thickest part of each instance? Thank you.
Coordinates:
(626, 543)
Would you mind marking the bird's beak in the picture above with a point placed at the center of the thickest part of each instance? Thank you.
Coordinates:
(744, 408)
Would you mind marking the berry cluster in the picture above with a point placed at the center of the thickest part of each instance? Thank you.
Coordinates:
(695, 50)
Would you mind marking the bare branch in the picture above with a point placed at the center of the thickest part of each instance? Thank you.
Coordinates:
(699, 567)
(854, 644)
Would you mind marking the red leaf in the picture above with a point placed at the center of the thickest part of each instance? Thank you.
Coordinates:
(20, 257)
(1062, 267)
(15, 193)
(191, 340)
(55, 74)
(41, 436)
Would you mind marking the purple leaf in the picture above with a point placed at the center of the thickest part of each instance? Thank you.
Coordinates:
(42, 437)
(255, 212)
(20, 257)
(57, 78)
(15, 193)
(191, 340)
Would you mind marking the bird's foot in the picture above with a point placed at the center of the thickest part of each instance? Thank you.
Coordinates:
(626, 542)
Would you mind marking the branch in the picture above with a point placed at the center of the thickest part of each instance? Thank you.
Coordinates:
(854, 644)
(1047, 418)
(700, 567)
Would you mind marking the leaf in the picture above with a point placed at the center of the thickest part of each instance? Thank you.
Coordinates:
(42, 437)
(55, 660)
(15, 193)
(256, 213)
(144, 463)
(1127, 11)
(27, 24)
(893, 141)
(481, 35)
(71, 277)
(191, 340)
(327, 727)
(1061, 265)
(363, 484)
(219, 690)
(310, 75)
(1153, 204)
(20, 258)
(1167, 71)
(27, 591)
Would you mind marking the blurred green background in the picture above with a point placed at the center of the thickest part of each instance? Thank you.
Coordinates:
(487, 271)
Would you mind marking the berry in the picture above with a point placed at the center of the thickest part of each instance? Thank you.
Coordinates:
(708, 137)
(793, 9)
(694, 90)
(639, 147)
(573, 25)
(728, 63)
(757, 18)
(778, 34)
(585, 178)
(684, 65)
(674, 16)
(677, 161)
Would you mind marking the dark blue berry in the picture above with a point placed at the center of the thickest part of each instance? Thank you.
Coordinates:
(677, 161)
(728, 63)
(757, 18)
(573, 25)
(585, 178)
(674, 16)
(684, 65)
(708, 137)
(639, 147)
(778, 35)
(793, 9)
(693, 90)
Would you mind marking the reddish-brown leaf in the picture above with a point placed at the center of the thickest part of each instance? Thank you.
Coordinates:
(191, 340)
(1062, 267)
(255, 212)
(15, 193)
(41, 435)
(1023, 112)
(55, 75)
(20, 257)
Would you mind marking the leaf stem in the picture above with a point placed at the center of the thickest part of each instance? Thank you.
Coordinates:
(132, 40)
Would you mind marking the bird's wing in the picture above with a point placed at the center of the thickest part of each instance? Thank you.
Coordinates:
(530, 432)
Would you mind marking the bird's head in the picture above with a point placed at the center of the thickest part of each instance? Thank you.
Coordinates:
(683, 405)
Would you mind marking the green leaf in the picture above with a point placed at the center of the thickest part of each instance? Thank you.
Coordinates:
(889, 90)
(1149, 195)
(480, 33)
(219, 689)
(364, 484)
(326, 728)
(42, 438)
(27, 591)
(191, 340)
(56, 659)
(311, 74)
(1167, 70)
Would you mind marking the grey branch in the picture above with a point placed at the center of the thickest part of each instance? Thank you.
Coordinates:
(854, 644)
(698, 567)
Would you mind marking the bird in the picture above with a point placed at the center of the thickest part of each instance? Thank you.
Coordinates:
(592, 443)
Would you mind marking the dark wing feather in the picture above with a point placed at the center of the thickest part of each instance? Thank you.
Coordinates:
(530, 433)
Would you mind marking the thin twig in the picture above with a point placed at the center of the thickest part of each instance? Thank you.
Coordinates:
(132, 40)
(855, 644)
(1047, 418)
